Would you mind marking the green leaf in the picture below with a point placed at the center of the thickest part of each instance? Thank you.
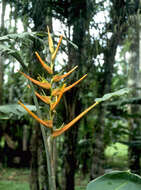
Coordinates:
(7, 44)
(15, 53)
(15, 109)
(25, 36)
(113, 94)
(117, 180)
(3, 117)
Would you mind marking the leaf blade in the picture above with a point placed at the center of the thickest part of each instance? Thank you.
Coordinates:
(120, 92)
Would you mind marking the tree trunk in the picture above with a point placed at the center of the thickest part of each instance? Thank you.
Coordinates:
(98, 161)
(34, 183)
(70, 139)
(104, 83)
(72, 101)
(42, 167)
(1, 78)
(134, 82)
(72, 105)
(1, 58)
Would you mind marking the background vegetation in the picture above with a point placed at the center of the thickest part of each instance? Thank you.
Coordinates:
(103, 39)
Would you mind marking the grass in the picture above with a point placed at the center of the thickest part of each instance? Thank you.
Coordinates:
(15, 179)
(12, 185)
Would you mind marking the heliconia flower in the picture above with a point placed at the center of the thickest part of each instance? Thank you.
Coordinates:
(53, 105)
(58, 132)
(45, 85)
(46, 67)
(57, 78)
(56, 50)
(45, 99)
(47, 123)
(50, 41)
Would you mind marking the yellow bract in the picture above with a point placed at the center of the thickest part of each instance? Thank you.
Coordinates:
(55, 52)
(50, 41)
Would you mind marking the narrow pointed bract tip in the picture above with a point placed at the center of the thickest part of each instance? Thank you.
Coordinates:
(45, 66)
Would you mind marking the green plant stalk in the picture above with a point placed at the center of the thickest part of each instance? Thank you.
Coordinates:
(52, 158)
(43, 135)
(50, 147)
(49, 144)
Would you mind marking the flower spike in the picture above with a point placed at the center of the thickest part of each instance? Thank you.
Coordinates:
(45, 85)
(58, 132)
(47, 123)
(46, 67)
(57, 78)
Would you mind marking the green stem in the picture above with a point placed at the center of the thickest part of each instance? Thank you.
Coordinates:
(52, 157)
(43, 134)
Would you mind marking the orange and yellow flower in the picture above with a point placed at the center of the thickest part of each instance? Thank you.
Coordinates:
(56, 94)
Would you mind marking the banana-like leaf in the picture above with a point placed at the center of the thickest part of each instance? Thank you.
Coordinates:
(5, 48)
(3, 117)
(25, 36)
(117, 180)
(113, 94)
(15, 109)
(7, 43)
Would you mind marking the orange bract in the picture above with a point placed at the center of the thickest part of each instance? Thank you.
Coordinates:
(57, 78)
(45, 99)
(74, 84)
(45, 123)
(46, 67)
(45, 85)
(66, 127)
